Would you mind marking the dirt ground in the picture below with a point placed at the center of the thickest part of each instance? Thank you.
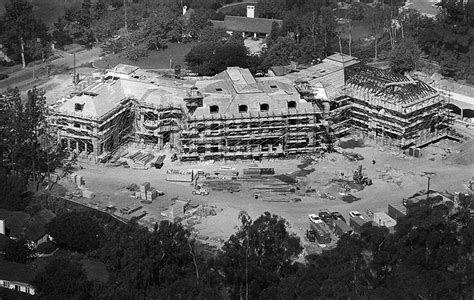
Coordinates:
(394, 177)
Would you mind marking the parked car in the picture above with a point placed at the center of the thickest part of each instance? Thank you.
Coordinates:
(355, 213)
(337, 216)
(314, 218)
(325, 215)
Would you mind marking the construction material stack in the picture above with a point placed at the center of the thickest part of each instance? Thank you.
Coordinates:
(179, 175)
(144, 188)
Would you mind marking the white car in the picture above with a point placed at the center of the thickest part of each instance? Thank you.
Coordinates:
(314, 218)
(355, 213)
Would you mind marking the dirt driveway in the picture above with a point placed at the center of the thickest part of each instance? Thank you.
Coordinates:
(408, 178)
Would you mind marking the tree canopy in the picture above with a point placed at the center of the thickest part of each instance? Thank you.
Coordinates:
(217, 51)
(79, 232)
(24, 37)
(62, 279)
(18, 251)
(27, 146)
(405, 56)
(448, 39)
(258, 255)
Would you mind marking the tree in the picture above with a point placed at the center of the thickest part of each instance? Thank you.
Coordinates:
(405, 56)
(27, 143)
(62, 279)
(199, 20)
(282, 51)
(216, 52)
(76, 231)
(258, 255)
(22, 32)
(271, 9)
(157, 264)
(18, 251)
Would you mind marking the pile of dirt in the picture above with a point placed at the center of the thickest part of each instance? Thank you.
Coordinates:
(350, 198)
(465, 155)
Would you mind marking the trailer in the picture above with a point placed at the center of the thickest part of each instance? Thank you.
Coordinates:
(340, 227)
(158, 163)
(252, 172)
(323, 236)
(255, 171)
(397, 211)
(356, 224)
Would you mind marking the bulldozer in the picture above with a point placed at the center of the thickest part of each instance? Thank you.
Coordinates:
(360, 178)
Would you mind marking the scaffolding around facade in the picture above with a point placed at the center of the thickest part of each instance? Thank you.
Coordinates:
(236, 116)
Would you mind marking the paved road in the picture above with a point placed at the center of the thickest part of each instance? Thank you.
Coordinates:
(36, 75)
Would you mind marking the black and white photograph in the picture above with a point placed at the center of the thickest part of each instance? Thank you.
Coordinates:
(236, 149)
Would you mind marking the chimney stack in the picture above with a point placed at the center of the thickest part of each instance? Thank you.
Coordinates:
(250, 11)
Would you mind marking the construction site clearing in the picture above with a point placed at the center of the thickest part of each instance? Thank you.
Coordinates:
(291, 188)
(334, 137)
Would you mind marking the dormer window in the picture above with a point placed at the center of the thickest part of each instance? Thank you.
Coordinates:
(214, 109)
(78, 106)
(264, 107)
(292, 104)
(243, 108)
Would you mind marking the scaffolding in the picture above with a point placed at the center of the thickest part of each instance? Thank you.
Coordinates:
(96, 136)
(377, 103)
(251, 135)
(394, 107)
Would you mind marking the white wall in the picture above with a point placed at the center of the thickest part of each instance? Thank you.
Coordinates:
(2, 227)
(23, 287)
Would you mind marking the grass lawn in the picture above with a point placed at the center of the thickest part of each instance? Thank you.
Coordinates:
(155, 60)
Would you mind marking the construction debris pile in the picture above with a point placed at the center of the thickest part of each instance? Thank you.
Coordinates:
(391, 175)
(219, 184)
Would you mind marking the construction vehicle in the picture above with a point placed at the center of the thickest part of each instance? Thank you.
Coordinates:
(199, 190)
(174, 157)
(360, 178)
(311, 235)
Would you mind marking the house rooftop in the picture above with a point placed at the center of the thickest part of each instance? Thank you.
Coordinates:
(342, 59)
(102, 97)
(389, 86)
(12, 271)
(125, 69)
(244, 24)
(235, 91)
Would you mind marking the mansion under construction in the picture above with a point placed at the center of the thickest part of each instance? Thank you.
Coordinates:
(235, 115)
